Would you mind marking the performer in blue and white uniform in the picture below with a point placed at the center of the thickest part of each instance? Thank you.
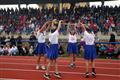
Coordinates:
(72, 48)
(41, 47)
(52, 50)
(89, 48)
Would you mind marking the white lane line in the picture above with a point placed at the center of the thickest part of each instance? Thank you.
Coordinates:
(118, 63)
(74, 73)
(66, 58)
(9, 79)
(13, 63)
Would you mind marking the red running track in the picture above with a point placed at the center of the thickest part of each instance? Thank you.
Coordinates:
(23, 67)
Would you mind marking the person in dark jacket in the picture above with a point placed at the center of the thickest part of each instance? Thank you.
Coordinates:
(32, 38)
(112, 38)
(13, 40)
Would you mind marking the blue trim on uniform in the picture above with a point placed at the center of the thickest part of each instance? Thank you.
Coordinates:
(72, 48)
(52, 51)
(90, 52)
(40, 49)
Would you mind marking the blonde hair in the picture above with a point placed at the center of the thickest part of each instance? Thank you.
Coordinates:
(55, 21)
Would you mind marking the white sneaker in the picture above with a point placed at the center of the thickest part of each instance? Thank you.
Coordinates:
(37, 67)
(57, 75)
(47, 76)
(43, 67)
(72, 65)
(94, 74)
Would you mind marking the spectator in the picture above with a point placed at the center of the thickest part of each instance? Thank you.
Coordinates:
(2, 40)
(112, 38)
(22, 50)
(110, 52)
(13, 40)
(31, 50)
(32, 39)
(1, 28)
(102, 50)
(1, 50)
(61, 51)
(13, 50)
(5, 49)
(19, 40)
(117, 51)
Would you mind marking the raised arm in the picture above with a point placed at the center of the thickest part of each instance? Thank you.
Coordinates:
(81, 25)
(68, 27)
(48, 26)
(36, 30)
(44, 27)
(59, 25)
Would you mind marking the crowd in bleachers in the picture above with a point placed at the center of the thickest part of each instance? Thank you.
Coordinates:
(14, 46)
(104, 19)
(108, 51)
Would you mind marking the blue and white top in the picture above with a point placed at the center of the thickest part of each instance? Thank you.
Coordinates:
(72, 38)
(41, 37)
(89, 38)
(53, 37)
